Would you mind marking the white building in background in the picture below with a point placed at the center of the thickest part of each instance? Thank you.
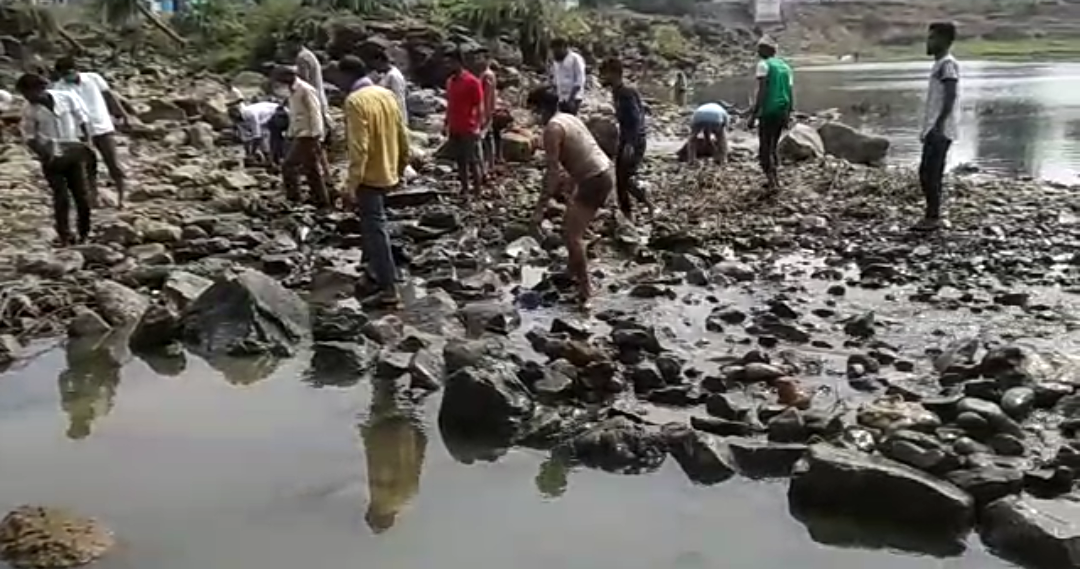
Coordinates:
(766, 11)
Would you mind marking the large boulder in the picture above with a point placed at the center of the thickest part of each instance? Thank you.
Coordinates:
(849, 482)
(246, 313)
(517, 146)
(1039, 533)
(845, 142)
(800, 143)
(120, 305)
(36, 536)
(487, 401)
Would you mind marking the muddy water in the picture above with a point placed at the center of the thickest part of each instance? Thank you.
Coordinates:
(262, 468)
(1016, 119)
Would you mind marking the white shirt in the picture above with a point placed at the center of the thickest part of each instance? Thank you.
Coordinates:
(6, 99)
(394, 80)
(567, 74)
(762, 70)
(91, 88)
(309, 69)
(255, 116)
(58, 126)
(945, 69)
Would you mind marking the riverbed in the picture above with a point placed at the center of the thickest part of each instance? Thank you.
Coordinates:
(1016, 119)
(257, 467)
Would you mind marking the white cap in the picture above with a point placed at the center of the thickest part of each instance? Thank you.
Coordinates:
(767, 40)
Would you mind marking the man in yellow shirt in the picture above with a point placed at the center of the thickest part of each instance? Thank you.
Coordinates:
(378, 154)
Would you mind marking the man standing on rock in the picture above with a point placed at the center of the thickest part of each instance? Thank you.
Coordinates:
(306, 132)
(481, 65)
(102, 105)
(569, 146)
(568, 74)
(55, 124)
(709, 122)
(464, 114)
(309, 69)
(772, 107)
(940, 120)
(378, 143)
(392, 78)
(252, 127)
(630, 113)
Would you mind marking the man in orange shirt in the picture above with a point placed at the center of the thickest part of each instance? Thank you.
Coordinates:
(464, 114)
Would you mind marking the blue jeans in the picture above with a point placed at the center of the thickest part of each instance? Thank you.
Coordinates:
(376, 240)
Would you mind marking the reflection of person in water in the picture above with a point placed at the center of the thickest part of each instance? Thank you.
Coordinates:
(87, 387)
(394, 445)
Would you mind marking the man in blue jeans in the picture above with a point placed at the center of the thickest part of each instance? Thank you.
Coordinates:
(378, 143)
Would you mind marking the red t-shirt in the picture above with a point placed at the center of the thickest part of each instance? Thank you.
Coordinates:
(464, 98)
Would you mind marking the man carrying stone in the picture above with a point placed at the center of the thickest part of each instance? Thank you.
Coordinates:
(569, 146)
(940, 120)
(57, 128)
(306, 132)
(568, 74)
(772, 108)
(101, 105)
(378, 148)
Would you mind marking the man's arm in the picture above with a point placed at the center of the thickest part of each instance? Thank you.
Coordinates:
(578, 67)
(553, 138)
(315, 111)
(950, 78)
(112, 102)
(29, 128)
(489, 100)
(478, 100)
(722, 151)
(762, 74)
(82, 117)
(357, 138)
(628, 110)
(403, 145)
(304, 68)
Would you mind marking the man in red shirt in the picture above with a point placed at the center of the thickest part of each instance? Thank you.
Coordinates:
(464, 115)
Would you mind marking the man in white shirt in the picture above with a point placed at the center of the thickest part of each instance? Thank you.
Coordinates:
(55, 124)
(940, 120)
(568, 73)
(309, 69)
(101, 104)
(252, 127)
(391, 78)
(306, 133)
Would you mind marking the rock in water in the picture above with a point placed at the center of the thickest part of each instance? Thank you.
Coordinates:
(33, 536)
(699, 454)
(801, 143)
(120, 305)
(487, 401)
(842, 141)
(851, 482)
(1042, 533)
(246, 313)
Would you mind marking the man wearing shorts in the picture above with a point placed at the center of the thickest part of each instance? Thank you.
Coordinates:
(708, 122)
(569, 146)
(464, 114)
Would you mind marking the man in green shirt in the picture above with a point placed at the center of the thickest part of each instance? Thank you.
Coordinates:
(772, 106)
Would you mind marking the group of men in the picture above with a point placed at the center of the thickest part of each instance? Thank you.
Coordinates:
(65, 118)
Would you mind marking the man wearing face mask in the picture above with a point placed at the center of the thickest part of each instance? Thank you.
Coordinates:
(101, 105)
(306, 131)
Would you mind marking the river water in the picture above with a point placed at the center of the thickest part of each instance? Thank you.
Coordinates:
(1016, 119)
(260, 467)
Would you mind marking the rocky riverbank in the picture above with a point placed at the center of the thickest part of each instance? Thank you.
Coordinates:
(735, 335)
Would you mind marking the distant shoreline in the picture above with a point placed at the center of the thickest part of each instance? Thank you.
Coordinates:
(1041, 49)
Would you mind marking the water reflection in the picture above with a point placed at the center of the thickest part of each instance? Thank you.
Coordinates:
(88, 385)
(394, 446)
(1015, 119)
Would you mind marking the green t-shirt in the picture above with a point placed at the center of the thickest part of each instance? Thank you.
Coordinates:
(779, 82)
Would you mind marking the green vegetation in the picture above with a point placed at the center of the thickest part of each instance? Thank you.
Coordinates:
(670, 41)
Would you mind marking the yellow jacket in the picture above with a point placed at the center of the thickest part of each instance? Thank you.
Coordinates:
(378, 138)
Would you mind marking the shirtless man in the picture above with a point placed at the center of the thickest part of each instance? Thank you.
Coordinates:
(569, 146)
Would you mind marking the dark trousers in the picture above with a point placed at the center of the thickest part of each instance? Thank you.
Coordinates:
(626, 167)
(371, 205)
(68, 179)
(106, 146)
(769, 131)
(932, 172)
(305, 157)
